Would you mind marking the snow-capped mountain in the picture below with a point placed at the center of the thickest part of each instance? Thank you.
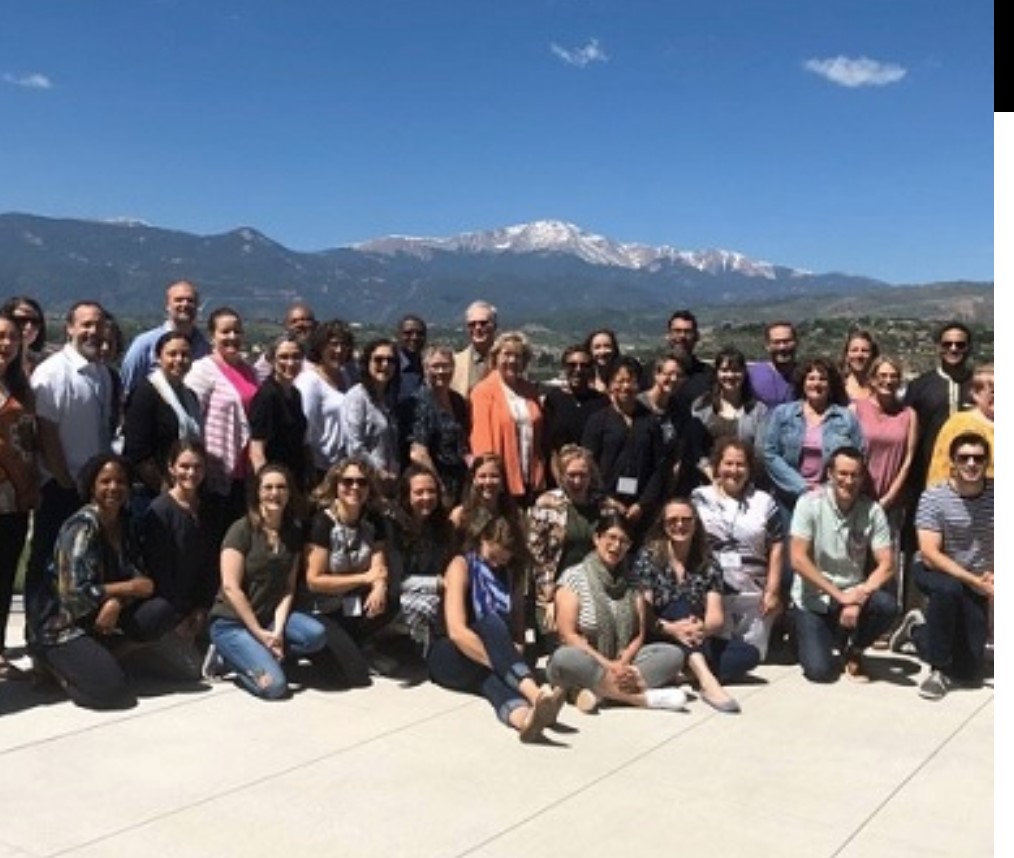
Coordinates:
(556, 236)
(542, 270)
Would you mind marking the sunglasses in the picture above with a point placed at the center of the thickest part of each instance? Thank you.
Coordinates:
(954, 345)
(479, 323)
(21, 321)
(970, 458)
(578, 364)
(381, 360)
(679, 519)
(354, 482)
(413, 332)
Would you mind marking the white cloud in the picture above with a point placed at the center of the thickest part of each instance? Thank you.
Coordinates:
(862, 71)
(29, 81)
(580, 57)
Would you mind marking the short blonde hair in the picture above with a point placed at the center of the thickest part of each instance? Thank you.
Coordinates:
(508, 338)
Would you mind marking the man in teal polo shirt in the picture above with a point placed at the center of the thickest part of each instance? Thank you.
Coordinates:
(836, 603)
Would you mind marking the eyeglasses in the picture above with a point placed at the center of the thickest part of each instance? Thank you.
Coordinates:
(954, 345)
(479, 323)
(970, 458)
(354, 482)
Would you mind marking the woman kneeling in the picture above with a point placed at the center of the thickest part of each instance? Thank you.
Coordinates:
(253, 624)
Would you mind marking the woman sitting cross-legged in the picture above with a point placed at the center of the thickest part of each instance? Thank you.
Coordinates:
(600, 619)
(346, 568)
(99, 603)
(253, 626)
(683, 583)
(479, 648)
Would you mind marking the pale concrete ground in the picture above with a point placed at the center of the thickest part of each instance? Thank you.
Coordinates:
(405, 769)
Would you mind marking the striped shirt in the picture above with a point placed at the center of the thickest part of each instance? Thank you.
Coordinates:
(966, 524)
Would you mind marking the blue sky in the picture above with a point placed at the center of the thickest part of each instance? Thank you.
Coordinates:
(834, 136)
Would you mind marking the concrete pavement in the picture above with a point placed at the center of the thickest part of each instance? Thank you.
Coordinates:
(407, 769)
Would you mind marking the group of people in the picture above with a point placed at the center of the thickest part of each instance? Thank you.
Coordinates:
(635, 526)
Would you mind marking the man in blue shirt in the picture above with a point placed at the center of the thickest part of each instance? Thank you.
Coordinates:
(181, 302)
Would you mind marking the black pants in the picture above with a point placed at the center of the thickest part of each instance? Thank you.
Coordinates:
(87, 666)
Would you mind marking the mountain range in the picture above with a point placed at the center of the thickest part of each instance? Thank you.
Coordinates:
(536, 271)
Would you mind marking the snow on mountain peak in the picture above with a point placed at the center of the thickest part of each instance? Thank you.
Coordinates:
(558, 236)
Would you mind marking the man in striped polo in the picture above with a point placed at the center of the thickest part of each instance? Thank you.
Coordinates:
(954, 525)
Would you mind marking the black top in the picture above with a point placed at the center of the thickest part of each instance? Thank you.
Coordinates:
(150, 426)
(621, 451)
(700, 380)
(180, 555)
(277, 419)
(929, 395)
(565, 415)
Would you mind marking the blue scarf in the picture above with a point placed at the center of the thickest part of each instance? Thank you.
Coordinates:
(490, 594)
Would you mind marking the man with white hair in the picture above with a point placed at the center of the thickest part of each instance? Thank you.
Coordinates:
(471, 364)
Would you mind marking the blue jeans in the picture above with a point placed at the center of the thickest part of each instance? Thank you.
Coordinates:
(450, 668)
(819, 634)
(953, 639)
(256, 668)
(729, 660)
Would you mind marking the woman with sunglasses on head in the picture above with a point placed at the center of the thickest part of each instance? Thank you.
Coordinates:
(682, 583)
(253, 625)
(507, 417)
(745, 533)
(439, 424)
(27, 314)
(891, 431)
(19, 493)
(477, 647)
(369, 419)
(347, 580)
(601, 620)
(277, 422)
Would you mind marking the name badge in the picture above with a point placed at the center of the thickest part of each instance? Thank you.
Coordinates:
(627, 486)
(730, 560)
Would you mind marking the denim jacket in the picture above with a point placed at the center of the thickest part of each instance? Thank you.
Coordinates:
(783, 443)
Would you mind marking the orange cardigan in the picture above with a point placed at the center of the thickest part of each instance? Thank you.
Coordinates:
(494, 431)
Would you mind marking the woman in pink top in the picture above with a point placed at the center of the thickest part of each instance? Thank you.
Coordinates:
(225, 384)
(891, 430)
